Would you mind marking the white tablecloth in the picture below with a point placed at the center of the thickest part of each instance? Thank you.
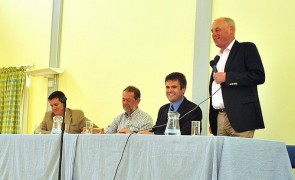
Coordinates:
(149, 157)
(29, 157)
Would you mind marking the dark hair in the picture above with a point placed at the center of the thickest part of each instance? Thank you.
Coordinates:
(177, 76)
(133, 89)
(58, 94)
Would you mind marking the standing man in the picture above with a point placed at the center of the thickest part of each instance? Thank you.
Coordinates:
(175, 88)
(133, 119)
(234, 106)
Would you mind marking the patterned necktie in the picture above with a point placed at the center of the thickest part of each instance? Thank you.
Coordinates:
(171, 108)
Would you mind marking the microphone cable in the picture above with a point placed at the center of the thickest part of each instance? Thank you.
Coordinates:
(200, 103)
(150, 128)
(185, 113)
(156, 127)
(62, 140)
(122, 154)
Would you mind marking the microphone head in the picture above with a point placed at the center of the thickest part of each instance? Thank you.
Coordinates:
(215, 61)
(212, 63)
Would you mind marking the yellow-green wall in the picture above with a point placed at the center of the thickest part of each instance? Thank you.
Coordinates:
(108, 45)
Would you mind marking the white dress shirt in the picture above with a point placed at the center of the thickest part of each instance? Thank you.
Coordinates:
(217, 100)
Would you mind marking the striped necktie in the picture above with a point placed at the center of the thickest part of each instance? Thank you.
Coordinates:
(171, 108)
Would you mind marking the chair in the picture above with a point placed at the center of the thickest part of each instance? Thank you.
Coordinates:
(291, 152)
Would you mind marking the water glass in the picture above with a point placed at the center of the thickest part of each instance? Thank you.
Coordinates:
(89, 126)
(67, 128)
(38, 129)
(196, 128)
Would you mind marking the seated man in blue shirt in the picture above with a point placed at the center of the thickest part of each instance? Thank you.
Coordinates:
(189, 111)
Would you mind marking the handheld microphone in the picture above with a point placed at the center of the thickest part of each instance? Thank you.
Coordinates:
(214, 62)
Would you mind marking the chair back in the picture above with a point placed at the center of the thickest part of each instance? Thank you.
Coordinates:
(291, 152)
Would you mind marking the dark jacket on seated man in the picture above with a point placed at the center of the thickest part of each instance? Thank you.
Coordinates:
(184, 122)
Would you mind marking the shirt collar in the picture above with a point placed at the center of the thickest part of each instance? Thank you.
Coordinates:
(231, 45)
(228, 47)
(134, 112)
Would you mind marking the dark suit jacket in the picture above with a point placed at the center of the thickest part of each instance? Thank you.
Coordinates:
(244, 71)
(184, 122)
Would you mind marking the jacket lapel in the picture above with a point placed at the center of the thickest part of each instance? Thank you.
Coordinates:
(182, 107)
(232, 54)
(68, 116)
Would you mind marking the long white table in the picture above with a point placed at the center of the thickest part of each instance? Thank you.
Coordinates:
(149, 157)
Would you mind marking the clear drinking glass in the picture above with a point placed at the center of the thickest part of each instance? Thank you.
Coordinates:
(67, 128)
(196, 128)
(38, 129)
(89, 126)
